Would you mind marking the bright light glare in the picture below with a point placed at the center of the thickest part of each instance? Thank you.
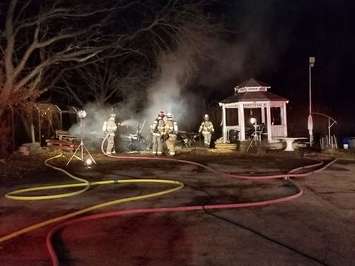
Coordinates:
(88, 162)
(81, 114)
(253, 120)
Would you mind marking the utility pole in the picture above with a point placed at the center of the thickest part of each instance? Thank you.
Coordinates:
(312, 60)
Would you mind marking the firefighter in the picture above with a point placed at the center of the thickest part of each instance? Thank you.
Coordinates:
(110, 128)
(171, 130)
(157, 130)
(206, 129)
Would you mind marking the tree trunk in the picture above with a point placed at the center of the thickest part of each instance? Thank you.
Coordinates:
(5, 136)
(33, 138)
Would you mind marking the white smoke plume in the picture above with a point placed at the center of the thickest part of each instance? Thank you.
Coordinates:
(97, 114)
(93, 122)
(168, 92)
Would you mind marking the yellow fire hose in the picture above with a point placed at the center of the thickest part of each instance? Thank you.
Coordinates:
(15, 195)
(86, 185)
(176, 186)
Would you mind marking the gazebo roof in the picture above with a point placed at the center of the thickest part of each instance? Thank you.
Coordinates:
(254, 97)
(252, 83)
(252, 90)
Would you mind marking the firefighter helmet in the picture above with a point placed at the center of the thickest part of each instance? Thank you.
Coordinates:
(169, 116)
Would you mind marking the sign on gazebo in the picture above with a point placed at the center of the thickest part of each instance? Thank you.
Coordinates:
(252, 99)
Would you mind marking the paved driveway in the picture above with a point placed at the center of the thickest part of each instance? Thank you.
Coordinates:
(316, 229)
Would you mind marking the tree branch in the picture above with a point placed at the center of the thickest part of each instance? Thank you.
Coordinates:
(72, 92)
(9, 29)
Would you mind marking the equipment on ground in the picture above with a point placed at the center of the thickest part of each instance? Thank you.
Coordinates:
(81, 149)
(188, 139)
(256, 134)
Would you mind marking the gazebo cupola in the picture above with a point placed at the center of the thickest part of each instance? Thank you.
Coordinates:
(252, 99)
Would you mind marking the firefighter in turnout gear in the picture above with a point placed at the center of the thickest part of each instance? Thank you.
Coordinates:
(171, 130)
(206, 129)
(157, 130)
(110, 129)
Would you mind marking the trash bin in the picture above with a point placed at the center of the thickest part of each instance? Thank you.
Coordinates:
(348, 143)
(345, 143)
(352, 143)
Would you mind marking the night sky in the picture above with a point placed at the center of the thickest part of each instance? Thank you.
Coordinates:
(271, 41)
(281, 35)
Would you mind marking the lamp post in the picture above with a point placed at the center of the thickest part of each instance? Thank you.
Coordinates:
(312, 60)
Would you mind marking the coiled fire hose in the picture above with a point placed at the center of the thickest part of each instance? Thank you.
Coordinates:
(16, 195)
(297, 172)
(176, 185)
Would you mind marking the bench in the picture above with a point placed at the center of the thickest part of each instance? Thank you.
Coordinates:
(289, 142)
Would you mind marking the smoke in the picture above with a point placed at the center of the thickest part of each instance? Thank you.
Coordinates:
(225, 61)
(254, 45)
(171, 90)
(130, 123)
(167, 91)
(93, 122)
(98, 113)
(201, 61)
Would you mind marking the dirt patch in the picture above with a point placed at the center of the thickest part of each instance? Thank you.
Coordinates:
(337, 168)
(346, 162)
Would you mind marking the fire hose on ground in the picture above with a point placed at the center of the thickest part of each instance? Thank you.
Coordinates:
(72, 218)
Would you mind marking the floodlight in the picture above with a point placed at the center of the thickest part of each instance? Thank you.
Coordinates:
(312, 60)
(81, 147)
(88, 162)
(81, 114)
(253, 120)
(256, 135)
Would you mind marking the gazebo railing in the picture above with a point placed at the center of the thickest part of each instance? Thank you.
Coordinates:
(277, 131)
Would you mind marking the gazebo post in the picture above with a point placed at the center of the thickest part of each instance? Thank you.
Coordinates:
(284, 118)
(255, 94)
(241, 121)
(262, 113)
(224, 124)
(268, 121)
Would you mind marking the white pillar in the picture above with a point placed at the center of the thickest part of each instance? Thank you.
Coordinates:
(262, 113)
(224, 129)
(268, 122)
(241, 121)
(284, 118)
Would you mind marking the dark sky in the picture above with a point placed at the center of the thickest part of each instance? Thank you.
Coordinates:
(281, 35)
(292, 31)
(271, 40)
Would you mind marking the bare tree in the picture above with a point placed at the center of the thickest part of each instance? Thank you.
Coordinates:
(40, 40)
(34, 38)
(103, 83)
(174, 29)
(39, 36)
(30, 46)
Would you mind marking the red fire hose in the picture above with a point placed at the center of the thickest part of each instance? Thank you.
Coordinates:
(297, 172)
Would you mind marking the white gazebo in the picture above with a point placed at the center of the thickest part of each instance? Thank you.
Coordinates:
(252, 99)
